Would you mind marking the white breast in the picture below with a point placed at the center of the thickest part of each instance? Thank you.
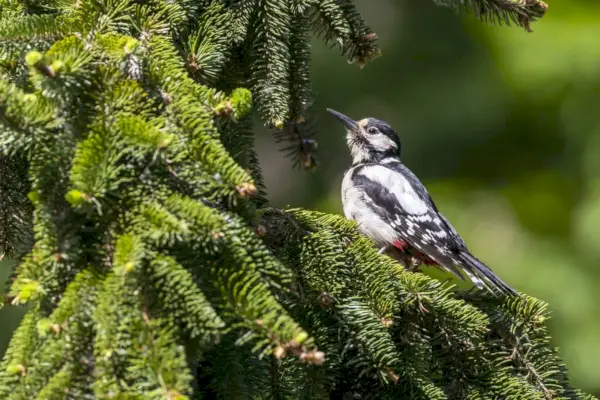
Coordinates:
(357, 207)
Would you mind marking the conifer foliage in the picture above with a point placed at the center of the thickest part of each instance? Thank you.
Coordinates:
(149, 259)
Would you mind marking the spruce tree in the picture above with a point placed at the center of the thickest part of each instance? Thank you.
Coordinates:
(149, 259)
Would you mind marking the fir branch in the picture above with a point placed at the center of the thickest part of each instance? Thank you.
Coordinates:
(23, 116)
(325, 268)
(182, 301)
(300, 84)
(234, 372)
(238, 139)
(59, 385)
(63, 70)
(208, 47)
(64, 336)
(238, 277)
(271, 69)
(184, 96)
(96, 170)
(34, 27)
(339, 23)
(520, 12)
(361, 47)
(228, 229)
(243, 13)
(15, 213)
(298, 144)
(17, 358)
(527, 345)
(158, 368)
(297, 133)
(117, 317)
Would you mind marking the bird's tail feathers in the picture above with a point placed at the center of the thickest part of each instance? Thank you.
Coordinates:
(482, 276)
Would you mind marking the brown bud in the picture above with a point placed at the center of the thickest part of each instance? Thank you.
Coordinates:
(524, 22)
(224, 108)
(8, 299)
(193, 65)
(313, 357)
(362, 62)
(261, 230)
(55, 328)
(537, 3)
(166, 97)
(326, 300)
(217, 235)
(279, 352)
(246, 189)
(20, 368)
(370, 36)
(392, 376)
(293, 344)
(308, 161)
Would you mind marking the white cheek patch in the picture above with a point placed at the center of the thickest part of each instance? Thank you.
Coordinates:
(381, 142)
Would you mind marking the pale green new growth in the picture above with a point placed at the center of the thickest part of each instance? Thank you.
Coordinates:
(148, 255)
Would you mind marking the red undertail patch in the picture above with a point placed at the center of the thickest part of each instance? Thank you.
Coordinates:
(399, 244)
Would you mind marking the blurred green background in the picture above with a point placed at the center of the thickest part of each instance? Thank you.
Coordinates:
(502, 126)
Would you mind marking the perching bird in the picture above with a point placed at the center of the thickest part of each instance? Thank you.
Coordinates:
(393, 208)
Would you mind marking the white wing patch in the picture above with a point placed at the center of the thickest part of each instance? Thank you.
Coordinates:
(399, 186)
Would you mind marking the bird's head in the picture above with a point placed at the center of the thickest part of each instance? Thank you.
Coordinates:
(369, 139)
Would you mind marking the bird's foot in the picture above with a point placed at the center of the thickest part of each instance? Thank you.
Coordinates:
(413, 265)
(408, 261)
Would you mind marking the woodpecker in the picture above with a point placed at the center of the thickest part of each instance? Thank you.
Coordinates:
(393, 208)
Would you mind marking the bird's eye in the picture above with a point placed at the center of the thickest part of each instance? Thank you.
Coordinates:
(372, 130)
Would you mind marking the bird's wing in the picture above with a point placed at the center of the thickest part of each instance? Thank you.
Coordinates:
(400, 198)
(402, 201)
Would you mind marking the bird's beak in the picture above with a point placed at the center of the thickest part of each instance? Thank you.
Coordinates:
(344, 119)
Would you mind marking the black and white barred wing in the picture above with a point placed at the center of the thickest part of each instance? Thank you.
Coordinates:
(403, 201)
(406, 204)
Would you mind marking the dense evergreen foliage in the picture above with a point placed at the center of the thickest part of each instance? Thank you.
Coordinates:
(151, 263)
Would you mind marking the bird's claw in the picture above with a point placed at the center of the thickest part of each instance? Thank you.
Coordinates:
(413, 265)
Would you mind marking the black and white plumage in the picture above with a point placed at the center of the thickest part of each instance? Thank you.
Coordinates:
(393, 208)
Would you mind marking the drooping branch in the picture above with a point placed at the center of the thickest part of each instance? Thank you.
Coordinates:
(520, 12)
